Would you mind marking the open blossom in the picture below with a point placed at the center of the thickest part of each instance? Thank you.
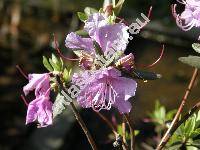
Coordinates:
(41, 107)
(39, 83)
(101, 31)
(105, 34)
(190, 17)
(106, 88)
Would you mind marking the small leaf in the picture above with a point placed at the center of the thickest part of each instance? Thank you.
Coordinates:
(136, 132)
(57, 63)
(170, 114)
(195, 133)
(55, 66)
(193, 61)
(190, 125)
(198, 120)
(66, 74)
(54, 59)
(88, 11)
(118, 6)
(47, 64)
(61, 63)
(82, 16)
(196, 142)
(191, 147)
(196, 47)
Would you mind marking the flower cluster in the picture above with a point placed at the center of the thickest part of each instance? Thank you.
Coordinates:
(106, 87)
(101, 84)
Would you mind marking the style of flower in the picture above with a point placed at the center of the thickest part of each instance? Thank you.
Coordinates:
(190, 17)
(106, 88)
(40, 108)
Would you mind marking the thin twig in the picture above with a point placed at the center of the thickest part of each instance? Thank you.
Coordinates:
(124, 145)
(132, 131)
(107, 122)
(21, 71)
(78, 117)
(83, 126)
(166, 136)
(194, 109)
(124, 130)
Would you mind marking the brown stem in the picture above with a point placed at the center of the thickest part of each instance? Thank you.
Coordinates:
(125, 146)
(167, 135)
(78, 117)
(132, 132)
(83, 126)
(185, 117)
(124, 130)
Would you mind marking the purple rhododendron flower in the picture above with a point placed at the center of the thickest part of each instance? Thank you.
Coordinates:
(190, 17)
(101, 31)
(39, 83)
(74, 41)
(106, 88)
(41, 107)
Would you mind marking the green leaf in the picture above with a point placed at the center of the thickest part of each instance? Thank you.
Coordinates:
(193, 61)
(118, 6)
(55, 66)
(195, 133)
(57, 63)
(111, 18)
(190, 126)
(82, 16)
(170, 114)
(88, 11)
(175, 146)
(66, 74)
(198, 120)
(136, 132)
(196, 142)
(54, 59)
(61, 63)
(196, 47)
(191, 148)
(47, 64)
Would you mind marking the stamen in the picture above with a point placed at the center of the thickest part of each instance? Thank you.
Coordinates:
(59, 51)
(21, 71)
(154, 63)
(24, 100)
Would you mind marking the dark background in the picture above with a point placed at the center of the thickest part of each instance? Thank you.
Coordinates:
(26, 33)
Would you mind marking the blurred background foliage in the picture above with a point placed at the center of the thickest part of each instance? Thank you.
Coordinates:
(26, 34)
